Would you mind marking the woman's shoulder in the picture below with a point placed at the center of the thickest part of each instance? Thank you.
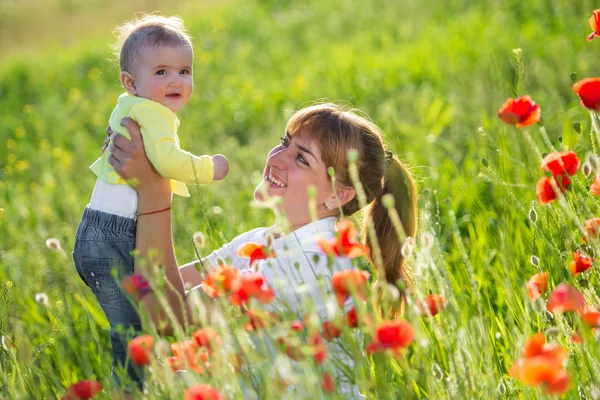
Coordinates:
(256, 235)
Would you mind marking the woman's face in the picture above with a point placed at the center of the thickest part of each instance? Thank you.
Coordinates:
(291, 168)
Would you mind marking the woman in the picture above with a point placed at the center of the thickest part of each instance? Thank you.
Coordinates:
(316, 138)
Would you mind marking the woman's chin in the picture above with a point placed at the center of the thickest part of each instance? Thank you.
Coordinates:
(263, 192)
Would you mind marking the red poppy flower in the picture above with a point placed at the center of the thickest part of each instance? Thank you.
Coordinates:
(319, 350)
(328, 383)
(352, 318)
(254, 251)
(84, 390)
(297, 326)
(560, 162)
(220, 279)
(202, 392)
(577, 338)
(186, 349)
(344, 244)
(431, 304)
(565, 298)
(591, 228)
(348, 282)
(588, 90)
(542, 364)
(520, 112)
(545, 193)
(580, 263)
(178, 364)
(258, 319)
(537, 346)
(595, 25)
(188, 355)
(291, 347)
(537, 285)
(207, 338)
(136, 285)
(391, 335)
(595, 188)
(591, 316)
(541, 371)
(331, 330)
(140, 349)
(250, 286)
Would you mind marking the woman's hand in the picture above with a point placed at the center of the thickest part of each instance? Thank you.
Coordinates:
(128, 158)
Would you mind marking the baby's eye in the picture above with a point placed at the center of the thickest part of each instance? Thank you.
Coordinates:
(185, 72)
(161, 72)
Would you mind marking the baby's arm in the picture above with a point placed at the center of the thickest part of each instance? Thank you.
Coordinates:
(158, 130)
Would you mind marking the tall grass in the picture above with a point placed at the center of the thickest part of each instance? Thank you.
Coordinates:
(432, 75)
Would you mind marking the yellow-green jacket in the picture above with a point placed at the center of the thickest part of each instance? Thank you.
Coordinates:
(159, 130)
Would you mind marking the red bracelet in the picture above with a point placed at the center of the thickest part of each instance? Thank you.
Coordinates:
(154, 212)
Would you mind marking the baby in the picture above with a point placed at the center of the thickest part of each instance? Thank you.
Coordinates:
(156, 57)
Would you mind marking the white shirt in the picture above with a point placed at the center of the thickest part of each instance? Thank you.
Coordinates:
(300, 269)
(300, 277)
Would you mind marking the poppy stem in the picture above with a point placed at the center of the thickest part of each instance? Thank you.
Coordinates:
(547, 139)
(596, 130)
(532, 144)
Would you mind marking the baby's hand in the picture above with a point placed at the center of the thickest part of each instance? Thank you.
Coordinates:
(221, 166)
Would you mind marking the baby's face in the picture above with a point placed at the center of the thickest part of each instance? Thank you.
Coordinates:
(164, 75)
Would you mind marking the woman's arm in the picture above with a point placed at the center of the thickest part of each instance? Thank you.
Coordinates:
(128, 158)
(190, 274)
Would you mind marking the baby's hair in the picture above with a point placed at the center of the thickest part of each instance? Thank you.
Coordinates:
(148, 30)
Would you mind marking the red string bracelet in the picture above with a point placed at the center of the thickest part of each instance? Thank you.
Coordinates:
(154, 212)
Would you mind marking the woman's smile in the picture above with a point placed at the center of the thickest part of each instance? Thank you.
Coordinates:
(275, 181)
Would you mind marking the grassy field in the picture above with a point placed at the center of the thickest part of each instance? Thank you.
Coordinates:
(432, 75)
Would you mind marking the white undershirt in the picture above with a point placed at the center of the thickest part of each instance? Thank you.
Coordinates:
(119, 200)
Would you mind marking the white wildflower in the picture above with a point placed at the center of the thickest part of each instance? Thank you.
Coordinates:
(42, 298)
(53, 244)
(586, 168)
(199, 239)
(426, 240)
(7, 343)
(407, 247)
(535, 261)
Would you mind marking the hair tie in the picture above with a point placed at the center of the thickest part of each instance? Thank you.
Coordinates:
(389, 156)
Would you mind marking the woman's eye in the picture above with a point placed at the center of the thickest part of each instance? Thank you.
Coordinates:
(161, 72)
(284, 142)
(302, 159)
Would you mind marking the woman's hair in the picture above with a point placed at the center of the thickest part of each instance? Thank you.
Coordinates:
(337, 131)
(148, 30)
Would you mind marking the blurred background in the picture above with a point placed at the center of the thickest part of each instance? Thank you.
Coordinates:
(431, 74)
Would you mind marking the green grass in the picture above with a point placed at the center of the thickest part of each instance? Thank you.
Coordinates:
(430, 74)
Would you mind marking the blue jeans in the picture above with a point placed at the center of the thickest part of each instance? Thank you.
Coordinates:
(102, 255)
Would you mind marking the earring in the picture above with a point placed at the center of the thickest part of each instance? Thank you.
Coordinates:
(329, 206)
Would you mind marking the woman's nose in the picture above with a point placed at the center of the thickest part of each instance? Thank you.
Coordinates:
(278, 158)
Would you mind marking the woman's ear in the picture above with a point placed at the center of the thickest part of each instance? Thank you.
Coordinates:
(344, 195)
(128, 83)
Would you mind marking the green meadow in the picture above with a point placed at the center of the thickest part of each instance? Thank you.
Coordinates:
(431, 74)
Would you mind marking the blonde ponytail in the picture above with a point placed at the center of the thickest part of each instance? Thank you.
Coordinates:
(399, 183)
